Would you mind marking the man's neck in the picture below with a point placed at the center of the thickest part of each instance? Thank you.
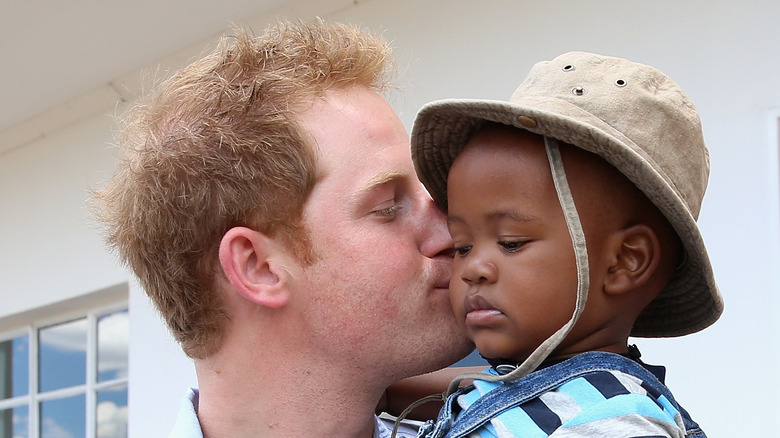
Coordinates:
(278, 401)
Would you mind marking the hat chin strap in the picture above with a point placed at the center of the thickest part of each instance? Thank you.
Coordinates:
(583, 276)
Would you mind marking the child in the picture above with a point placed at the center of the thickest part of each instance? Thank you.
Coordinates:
(572, 209)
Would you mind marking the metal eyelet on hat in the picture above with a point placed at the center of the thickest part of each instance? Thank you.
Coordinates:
(578, 91)
(568, 67)
(621, 83)
(527, 121)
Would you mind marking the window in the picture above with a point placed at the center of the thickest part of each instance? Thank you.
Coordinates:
(66, 378)
(774, 161)
(776, 139)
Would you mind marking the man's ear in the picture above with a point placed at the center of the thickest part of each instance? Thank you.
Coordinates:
(247, 259)
(636, 253)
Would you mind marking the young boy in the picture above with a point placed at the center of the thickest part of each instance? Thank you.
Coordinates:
(572, 208)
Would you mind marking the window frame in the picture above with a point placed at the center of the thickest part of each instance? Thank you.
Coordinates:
(774, 142)
(90, 388)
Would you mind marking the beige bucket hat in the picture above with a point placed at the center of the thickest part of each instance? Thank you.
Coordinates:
(633, 116)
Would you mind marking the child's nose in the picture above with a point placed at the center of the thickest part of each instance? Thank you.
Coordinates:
(478, 269)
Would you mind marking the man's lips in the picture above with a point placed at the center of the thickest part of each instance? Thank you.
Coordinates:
(440, 288)
(441, 276)
(479, 311)
(442, 284)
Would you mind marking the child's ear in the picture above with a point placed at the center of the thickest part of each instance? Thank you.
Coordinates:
(636, 253)
(247, 259)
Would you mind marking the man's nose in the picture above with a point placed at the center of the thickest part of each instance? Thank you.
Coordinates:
(436, 239)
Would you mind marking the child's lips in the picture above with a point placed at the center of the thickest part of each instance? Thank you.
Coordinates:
(479, 311)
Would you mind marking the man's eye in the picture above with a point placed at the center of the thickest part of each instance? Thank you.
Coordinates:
(462, 251)
(511, 245)
(389, 212)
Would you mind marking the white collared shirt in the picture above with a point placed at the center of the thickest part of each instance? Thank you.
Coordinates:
(187, 425)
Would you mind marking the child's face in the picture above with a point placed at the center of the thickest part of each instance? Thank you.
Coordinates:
(514, 280)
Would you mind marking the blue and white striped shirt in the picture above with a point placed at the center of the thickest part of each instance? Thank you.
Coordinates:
(602, 403)
(594, 394)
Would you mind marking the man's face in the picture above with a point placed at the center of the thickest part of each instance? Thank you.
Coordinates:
(377, 297)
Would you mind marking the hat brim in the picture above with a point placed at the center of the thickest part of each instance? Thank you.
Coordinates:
(691, 301)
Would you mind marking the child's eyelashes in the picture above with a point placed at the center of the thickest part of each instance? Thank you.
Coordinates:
(508, 246)
(511, 245)
(461, 250)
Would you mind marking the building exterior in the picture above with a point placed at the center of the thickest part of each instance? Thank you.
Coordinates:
(69, 309)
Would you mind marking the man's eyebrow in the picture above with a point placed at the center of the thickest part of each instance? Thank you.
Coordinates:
(379, 180)
(370, 185)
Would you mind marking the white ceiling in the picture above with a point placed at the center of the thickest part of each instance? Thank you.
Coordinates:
(52, 51)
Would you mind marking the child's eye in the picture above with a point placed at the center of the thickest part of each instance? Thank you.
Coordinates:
(511, 246)
(462, 251)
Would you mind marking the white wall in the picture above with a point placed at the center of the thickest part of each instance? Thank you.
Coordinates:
(722, 53)
(49, 248)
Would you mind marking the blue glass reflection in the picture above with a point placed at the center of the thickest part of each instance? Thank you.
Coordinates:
(112, 413)
(64, 417)
(14, 367)
(113, 332)
(14, 422)
(63, 355)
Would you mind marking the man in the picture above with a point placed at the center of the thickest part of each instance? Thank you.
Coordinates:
(268, 203)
